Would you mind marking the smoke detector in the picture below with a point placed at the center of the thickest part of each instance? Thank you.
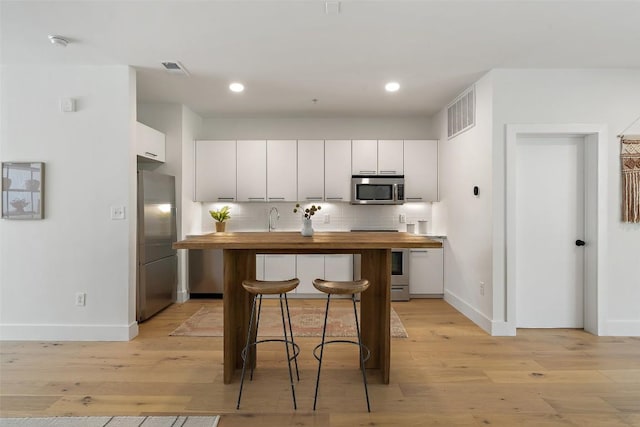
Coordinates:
(175, 67)
(58, 40)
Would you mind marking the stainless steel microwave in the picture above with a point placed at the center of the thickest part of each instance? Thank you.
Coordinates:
(377, 190)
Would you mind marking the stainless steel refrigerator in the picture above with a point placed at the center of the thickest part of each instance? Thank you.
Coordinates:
(157, 261)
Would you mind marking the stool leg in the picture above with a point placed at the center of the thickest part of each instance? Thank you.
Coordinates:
(324, 330)
(364, 373)
(245, 352)
(286, 302)
(259, 296)
(286, 344)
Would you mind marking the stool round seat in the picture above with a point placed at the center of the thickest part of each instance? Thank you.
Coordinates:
(267, 287)
(341, 288)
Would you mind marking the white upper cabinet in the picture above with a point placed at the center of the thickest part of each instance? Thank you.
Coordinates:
(310, 170)
(421, 171)
(364, 160)
(251, 171)
(337, 170)
(281, 170)
(390, 157)
(215, 171)
(150, 143)
(372, 157)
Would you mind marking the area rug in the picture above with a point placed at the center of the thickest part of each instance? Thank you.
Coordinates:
(171, 421)
(305, 321)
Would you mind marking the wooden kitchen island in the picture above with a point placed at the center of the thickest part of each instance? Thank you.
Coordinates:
(239, 252)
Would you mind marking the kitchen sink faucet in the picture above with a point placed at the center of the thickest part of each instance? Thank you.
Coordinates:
(272, 222)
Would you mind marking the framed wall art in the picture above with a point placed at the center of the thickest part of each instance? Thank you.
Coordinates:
(22, 190)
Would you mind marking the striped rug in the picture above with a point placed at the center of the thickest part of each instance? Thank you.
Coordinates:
(164, 421)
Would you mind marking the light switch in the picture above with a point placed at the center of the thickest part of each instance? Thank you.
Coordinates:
(117, 212)
(67, 105)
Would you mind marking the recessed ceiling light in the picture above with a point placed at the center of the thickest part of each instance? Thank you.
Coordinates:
(58, 40)
(236, 87)
(392, 86)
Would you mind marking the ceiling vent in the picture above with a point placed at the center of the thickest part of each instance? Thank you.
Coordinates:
(175, 68)
(461, 113)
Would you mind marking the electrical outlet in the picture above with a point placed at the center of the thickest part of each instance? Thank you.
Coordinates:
(81, 299)
(117, 212)
(402, 218)
(327, 219)
(482, 288)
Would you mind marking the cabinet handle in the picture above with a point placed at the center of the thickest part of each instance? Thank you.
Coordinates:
(150, 154)
(334, 198)
(226, 199)
(314, 198)
(418, 252)
(413, 198)
(367, 172)
(276, 198)
(387, 172)
(255, 198)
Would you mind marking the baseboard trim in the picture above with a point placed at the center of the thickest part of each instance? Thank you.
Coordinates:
(623, 328)
(40, 332)
(463, 307)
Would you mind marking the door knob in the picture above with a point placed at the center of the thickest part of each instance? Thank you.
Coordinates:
(580, 242)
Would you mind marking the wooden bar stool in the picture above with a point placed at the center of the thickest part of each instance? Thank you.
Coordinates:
(342, 288)
(258, 288)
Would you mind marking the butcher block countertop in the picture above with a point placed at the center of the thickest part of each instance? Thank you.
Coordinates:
(283, 241)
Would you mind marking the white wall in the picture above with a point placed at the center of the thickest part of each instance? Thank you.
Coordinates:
(606, 97)
(475, 247)
(466, 161)
(90, 167)
(319, 128)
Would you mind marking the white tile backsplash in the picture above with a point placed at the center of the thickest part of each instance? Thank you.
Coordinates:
(343, 216)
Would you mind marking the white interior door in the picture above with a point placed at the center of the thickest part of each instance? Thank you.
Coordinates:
(549, 219)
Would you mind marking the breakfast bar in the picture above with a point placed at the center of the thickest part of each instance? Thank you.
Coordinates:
(239, 253)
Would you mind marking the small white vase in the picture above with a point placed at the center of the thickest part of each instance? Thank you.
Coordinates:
(307, 227)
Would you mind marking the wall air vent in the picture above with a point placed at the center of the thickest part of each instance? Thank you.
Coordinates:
(461, 113)
(175, 68)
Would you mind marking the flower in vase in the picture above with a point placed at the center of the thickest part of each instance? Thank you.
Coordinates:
(307, 212)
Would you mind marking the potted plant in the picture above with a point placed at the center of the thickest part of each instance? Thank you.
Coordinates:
(221, 216)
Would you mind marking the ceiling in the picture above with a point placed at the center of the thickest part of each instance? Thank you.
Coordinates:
(288, 53)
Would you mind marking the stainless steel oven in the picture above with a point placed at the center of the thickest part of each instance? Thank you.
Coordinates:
(399, 271)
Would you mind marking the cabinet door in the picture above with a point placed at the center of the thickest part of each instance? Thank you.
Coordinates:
(337, 170)
(426, 271)
(279, 267)
(215, 171)
(390, 157)
(282, 171)
(421, 171)
(338, 267)
(251, 171)
(364, 157)
(150, 143)
(260, 267)
(310, 170)
(309, 267)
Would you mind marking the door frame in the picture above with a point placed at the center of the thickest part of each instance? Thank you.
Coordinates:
(596, 196)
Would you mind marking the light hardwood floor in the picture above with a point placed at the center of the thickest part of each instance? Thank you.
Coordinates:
(447, 373)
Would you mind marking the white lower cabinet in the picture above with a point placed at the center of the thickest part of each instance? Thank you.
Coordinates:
(309, 267)
(426, 272)
(338, 267)
(279, 267)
